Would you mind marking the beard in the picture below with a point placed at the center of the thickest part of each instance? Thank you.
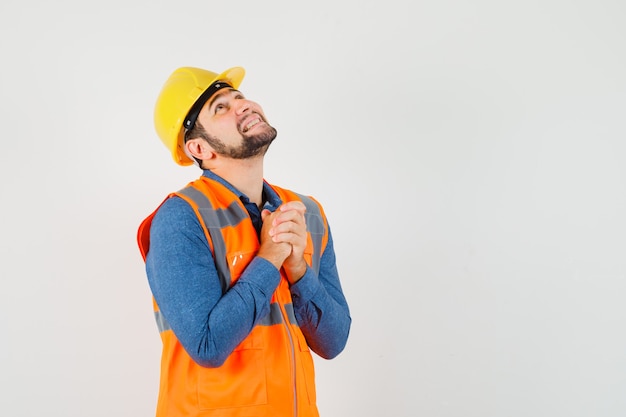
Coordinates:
(251, 145)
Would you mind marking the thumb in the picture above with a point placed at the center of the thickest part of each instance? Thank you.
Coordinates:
(265, 213)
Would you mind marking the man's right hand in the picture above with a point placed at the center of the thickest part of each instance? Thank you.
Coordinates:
(274, 252)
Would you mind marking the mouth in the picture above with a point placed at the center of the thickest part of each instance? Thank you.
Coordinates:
(250, 122)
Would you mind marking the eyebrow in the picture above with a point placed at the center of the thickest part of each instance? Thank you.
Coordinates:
(219, 94)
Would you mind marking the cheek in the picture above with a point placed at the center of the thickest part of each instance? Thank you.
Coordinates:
(257, 108)
(223, 128)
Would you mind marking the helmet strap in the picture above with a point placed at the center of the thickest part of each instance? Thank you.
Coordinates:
(192, 116)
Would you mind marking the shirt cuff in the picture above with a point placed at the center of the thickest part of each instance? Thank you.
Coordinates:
(261, 273)
(306, 287)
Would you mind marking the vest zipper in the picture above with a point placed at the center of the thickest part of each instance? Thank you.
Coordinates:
(286, 323)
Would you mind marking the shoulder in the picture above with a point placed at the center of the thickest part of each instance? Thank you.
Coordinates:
(173, 205)
(175, 214)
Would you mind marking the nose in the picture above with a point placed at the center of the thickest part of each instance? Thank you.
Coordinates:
(243, 106)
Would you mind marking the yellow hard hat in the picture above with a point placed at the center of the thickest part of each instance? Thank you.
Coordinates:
(184, 88)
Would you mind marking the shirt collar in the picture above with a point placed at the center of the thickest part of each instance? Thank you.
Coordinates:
(272, 200)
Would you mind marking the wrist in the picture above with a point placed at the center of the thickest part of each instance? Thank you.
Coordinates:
(272, 258)
(294, 274)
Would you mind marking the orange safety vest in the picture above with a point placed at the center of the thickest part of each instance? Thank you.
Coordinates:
(270, 373)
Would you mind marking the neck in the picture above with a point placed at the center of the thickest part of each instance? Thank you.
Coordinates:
(244, 174)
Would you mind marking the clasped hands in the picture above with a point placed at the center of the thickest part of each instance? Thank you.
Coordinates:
(284, 239)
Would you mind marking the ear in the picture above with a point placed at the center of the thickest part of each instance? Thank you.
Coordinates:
(200, 149)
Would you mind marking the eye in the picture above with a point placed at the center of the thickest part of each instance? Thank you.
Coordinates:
(220, 107)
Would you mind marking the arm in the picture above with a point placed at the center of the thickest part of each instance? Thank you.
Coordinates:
(184, 281)
(321, 308)
(319, 304)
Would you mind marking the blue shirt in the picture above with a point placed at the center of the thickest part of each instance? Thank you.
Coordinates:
(185, 284)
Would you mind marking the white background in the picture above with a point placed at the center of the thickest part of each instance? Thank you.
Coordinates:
(469, 154)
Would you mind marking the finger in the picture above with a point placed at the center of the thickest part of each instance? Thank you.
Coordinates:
(289, 216)
(265, 213)
(290, 232)
(293, 205)
(292, 238)
(289, 222)
(284, 227)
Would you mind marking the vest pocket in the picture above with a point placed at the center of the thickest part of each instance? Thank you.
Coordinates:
(239, 382)
(237, 263)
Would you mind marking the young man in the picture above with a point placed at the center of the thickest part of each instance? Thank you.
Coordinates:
(242, 272)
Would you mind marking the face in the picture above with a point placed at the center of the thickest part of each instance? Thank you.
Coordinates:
(236, 127)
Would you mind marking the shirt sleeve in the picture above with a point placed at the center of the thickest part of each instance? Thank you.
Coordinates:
(320, 307)
(185, 284)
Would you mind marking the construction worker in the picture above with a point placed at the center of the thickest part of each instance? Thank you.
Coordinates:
(242, 273)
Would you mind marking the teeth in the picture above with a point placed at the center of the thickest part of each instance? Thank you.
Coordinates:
(252, 123)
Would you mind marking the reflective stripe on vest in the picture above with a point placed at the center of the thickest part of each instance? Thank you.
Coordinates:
(162, 324)
(315, 226)
(275, 316)
(214, 220)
